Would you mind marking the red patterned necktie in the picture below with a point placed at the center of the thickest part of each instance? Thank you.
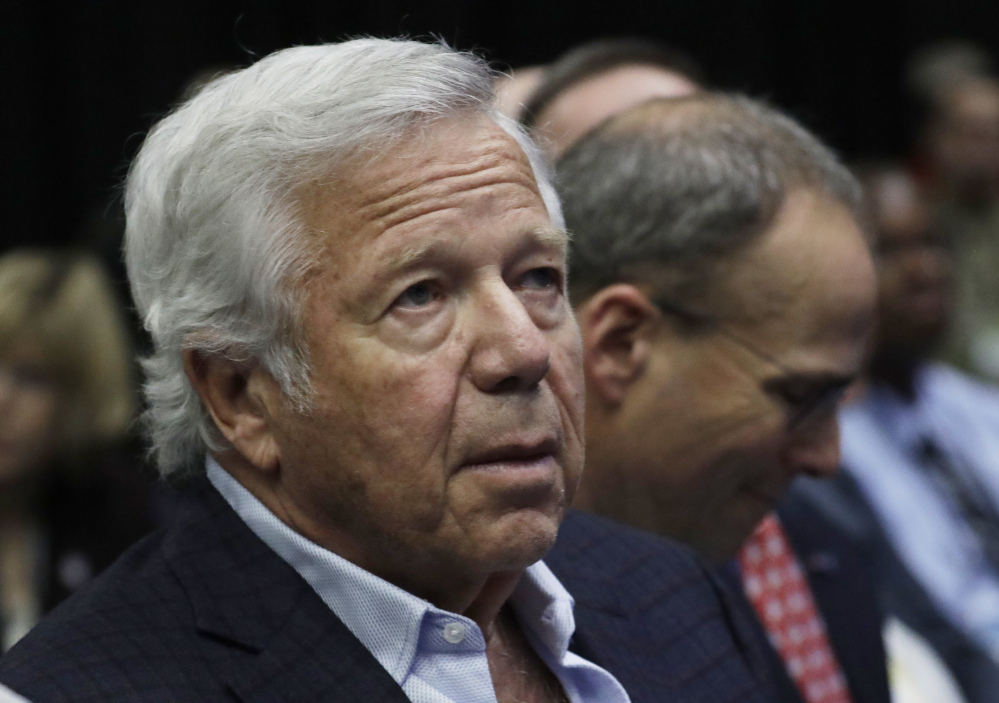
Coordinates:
(775, 585)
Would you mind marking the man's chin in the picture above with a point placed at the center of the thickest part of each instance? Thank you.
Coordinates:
(729, 533)
(524, 538)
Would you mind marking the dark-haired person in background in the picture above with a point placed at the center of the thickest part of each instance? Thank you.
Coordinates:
(919, 490)
(725, 293)
(602, 78)
(68, 507)
(956, 164)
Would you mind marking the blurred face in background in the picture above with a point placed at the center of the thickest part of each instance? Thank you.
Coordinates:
(30, 408)
(915, 270)
(583, 106)
(964, 139)
(65, 364)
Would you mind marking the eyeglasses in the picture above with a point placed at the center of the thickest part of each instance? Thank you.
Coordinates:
(807, 400)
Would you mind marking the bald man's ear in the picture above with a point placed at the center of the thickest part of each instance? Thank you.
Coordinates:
(616, 348)
(240, 397)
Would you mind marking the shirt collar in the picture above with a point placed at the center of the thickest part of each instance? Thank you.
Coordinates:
(385, 618)
(902, 418)
(544, 608)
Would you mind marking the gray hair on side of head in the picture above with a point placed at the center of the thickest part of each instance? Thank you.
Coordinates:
(215, 255)
(681, 183)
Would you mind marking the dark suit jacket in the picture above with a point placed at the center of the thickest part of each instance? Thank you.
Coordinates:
(649, 612)
(205, 611)
(845, 596)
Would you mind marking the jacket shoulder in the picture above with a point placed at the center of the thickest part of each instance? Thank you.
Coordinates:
(118, 633)
(600, 551)
(649, 611)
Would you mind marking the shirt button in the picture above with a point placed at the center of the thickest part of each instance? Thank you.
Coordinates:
(454, 632)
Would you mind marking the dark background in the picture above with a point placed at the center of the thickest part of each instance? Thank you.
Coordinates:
(81, 86)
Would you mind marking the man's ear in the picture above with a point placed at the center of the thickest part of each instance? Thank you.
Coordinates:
(240, 396)
(616, 348)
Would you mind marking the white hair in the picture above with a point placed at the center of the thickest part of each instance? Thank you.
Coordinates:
(215, 255)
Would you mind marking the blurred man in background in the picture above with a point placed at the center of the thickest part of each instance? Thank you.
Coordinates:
(594, 81)
(957, 165)
(920, 487)
(725, 293)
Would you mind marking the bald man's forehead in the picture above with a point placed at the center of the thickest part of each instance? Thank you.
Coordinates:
(587, 104)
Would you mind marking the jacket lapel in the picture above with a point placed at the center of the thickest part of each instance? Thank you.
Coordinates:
(315, 658)
(281, 642)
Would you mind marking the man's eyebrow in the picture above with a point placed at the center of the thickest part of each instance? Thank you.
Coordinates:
(553, 237)
(413, 256)
(410, 257)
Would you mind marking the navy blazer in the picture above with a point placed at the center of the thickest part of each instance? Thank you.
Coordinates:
(651, 613)
(845, 596)
(205, 611)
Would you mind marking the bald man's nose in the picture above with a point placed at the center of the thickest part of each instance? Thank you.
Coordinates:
(815, 451)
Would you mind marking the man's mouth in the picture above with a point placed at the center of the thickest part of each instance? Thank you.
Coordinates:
(514, 453)
(526, 471)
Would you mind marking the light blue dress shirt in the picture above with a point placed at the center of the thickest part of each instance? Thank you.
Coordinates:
(8, 696)
(434, 655)
(881, 435)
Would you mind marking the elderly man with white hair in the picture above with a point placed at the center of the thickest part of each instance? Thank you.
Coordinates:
(367, 377)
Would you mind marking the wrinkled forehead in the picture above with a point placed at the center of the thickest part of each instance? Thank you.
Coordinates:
(422, 185)
(447, 144)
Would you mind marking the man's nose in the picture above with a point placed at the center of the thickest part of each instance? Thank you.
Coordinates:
(814, 450)
(510, 352)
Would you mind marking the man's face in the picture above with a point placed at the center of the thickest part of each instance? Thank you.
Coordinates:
(711, 436)
(30, 405)
(964, 138)
(445, 440)
(914, 269)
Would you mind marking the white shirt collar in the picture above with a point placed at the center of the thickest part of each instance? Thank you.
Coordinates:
(385, 618)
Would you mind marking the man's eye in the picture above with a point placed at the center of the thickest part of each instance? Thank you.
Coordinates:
(417, 295)
(541, 278)
(796, 398)
(816, 403)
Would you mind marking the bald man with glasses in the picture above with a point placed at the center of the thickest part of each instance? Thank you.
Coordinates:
(725, 292)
